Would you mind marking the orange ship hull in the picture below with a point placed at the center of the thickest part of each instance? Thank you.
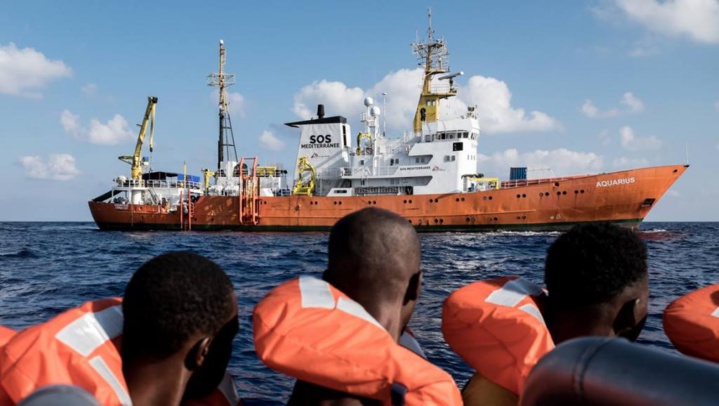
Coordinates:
(624, 197)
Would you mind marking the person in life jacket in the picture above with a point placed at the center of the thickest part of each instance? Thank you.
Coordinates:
(596, 285)
(692, 323)
(338, 336)
(176, 325)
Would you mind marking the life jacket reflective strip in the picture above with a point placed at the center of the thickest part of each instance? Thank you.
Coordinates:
(692, 323)
(5, 335)
(307, 329)
(76, 348)
(496, 326)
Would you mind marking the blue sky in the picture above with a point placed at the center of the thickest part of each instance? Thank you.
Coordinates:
(564, 87)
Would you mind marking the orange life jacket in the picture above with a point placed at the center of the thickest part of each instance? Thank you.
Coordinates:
(496, 327)
(5, 335)
(75, 348)
(692, 323)
(79, 347)
(307, 329)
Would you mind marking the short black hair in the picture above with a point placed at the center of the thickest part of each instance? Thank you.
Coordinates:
(169, 299)
(592, 263)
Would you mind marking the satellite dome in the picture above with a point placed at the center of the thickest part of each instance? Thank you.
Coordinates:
(368, 101)
(374, 111)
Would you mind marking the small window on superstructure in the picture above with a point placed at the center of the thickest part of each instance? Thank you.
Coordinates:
(427, 138)
(453, 158)
(361, 161)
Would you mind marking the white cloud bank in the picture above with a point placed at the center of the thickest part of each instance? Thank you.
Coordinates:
(114, 131)
(695, 19)
(491, 96)
(631, 103)
(23, 72)
(55, 167)
(269, 141)
(541, 163)
(633, 143)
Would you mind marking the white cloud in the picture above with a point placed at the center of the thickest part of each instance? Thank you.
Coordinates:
(336, 96)
(592, 111)
(269, 141)
(491, 96)
(24, 71)
(236, 102)
(628, 163)
(89, 90)
(633, 143)
(541, 163)
(496, 114)
(632, 105)
(115, 131)
(696, 19)
(632, 102)
(70, 123)
(55, 167)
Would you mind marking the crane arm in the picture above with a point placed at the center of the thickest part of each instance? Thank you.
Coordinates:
(135, 160)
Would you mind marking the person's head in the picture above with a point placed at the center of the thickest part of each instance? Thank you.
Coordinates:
(181, 306)
(374, 258)
(597, 283)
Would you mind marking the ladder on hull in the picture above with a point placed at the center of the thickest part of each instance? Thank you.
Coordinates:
(248, 198)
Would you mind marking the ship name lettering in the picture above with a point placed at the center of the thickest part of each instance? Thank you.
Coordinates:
(413, 168)
(615, 182)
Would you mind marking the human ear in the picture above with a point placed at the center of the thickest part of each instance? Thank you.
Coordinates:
(629, 321)
(198, 353)
(414, 287)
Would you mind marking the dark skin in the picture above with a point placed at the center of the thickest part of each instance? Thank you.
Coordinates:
(153, 381)
(622, 316)
(374, 258)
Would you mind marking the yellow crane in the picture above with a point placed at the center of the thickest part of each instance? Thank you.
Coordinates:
(135, 160)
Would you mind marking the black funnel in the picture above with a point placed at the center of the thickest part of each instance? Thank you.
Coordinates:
(320, 111)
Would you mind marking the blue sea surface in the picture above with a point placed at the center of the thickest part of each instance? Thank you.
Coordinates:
(46, 268)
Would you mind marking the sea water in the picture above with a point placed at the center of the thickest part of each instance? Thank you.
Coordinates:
(46, 268)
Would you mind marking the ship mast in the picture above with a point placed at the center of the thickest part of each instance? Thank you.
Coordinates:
(226, 141)
(433, 55)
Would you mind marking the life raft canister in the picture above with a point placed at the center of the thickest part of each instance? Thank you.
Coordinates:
(496, 327)
(692, 323)
(74, 348)
(307, 329)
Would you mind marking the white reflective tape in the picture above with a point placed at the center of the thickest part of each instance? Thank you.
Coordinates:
(87, 333)
(316, 293)
(356, 309)
(513, 292)
(101, 368)
(229, 390)
(407, 341)
(715, 313)
(532, 311)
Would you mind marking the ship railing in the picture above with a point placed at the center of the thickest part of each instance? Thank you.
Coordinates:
(381, 171)
(508, 184)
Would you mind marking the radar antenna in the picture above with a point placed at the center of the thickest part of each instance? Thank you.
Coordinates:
(226, 142)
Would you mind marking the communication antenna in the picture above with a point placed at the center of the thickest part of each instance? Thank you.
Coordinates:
(686, 149)
(226, 141)
(384, 119)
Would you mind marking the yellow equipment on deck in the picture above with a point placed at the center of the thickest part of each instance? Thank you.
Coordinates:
(301, 187)
(135, 160)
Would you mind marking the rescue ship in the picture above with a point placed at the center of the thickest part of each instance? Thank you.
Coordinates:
(429, 175)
